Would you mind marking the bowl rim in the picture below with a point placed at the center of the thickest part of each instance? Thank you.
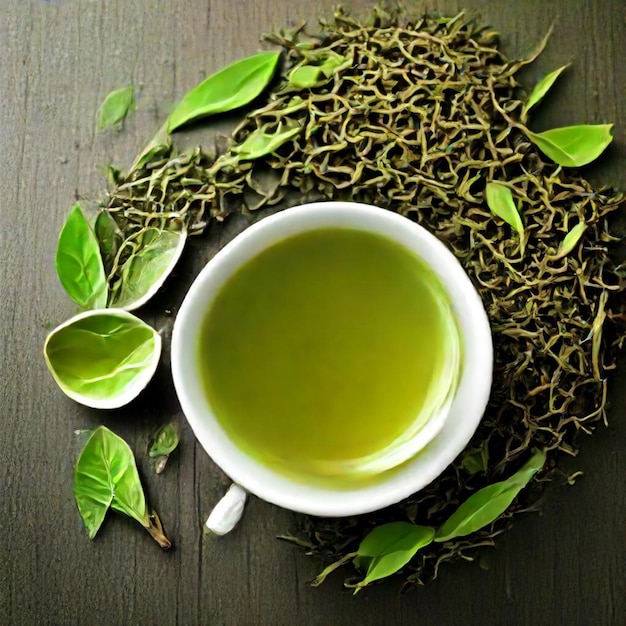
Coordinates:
(466, 409)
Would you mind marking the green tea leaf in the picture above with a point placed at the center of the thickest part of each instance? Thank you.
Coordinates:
(540, 90)
(232, 87)
(573, 146)
(103, 359)
(164, 441)
(79, 264)
(109, 237)
(476, 460)
(145, 271)
(106, 476)
(389, 547)
(570, 240)
(305, 76)
(259, 143)
(116, 106)
(487, 504)
(501, 203)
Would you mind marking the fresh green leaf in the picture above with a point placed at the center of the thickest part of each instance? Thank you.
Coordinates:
(388, 548)
(116, 106)
(234, 86)
(106, 476)
(103, 359)
(109, 237)
(540, 90)
(487, 504)
(309, 75)
(143, 273)
(164, 441)
(79, 264)
(501, 203)
(259, 143)
(573, 146)
(570, 240)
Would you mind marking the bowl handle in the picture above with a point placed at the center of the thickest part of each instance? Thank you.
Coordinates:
(228, 511)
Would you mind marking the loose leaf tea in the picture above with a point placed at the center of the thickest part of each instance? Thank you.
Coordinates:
(573, 146)
(540, 90)
(425, 114)
(487, 504)
(106, 477)
(102, 359)
(79, 264)
(232, 87)
(115, 108)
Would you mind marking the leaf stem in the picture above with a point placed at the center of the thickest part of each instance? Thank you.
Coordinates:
(155, 528)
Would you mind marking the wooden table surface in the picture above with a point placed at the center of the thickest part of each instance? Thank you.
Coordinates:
(59, 58)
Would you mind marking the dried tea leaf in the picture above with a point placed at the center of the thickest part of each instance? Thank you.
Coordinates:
(487, 504)
(573, 146)
(79, 264)
(540, 90)
(501, 203)
(115, 108)
(232, 87)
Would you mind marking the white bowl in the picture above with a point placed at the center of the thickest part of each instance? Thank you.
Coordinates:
(447, 439)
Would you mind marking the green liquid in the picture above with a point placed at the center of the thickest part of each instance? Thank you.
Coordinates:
(325, 349)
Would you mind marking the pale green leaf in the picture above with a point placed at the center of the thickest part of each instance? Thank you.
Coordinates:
(388, 548)
(573, 146)
(116, 106)
(541, 89)
(234, 86)
(486, 505)
(79, 264)
(106, 476)
(570, 240)
(145, 271)
(259, 143)
(312, 74)
(500, 202)
(103, 359)
(164, 441)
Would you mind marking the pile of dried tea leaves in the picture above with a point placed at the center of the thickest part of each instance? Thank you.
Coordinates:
(418, 116)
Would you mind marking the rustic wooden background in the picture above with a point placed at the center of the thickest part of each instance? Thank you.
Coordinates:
(58, 59)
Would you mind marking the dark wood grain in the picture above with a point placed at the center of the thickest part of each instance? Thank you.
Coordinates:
(59, 59)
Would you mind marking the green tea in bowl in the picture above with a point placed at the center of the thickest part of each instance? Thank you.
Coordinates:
(332, 359)
(326, 354)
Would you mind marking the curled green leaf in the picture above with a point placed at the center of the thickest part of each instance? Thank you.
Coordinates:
(573, 146)
(308, 75)
(164, 441)
(103, 359)
(106, 477)
(540, 90)
(115, 108)
(155, 255)
(232, 87)
(79, 264)
(487, 504)
(388, 548)
(570, 240)
(109, 237)
(501, 203)
(259, 143)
